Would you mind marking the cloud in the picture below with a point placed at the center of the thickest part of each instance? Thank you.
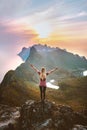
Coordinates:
(68, 17)
(12, 38)
(8, 62)
(83, 13)
(11, 33)
(14, 8)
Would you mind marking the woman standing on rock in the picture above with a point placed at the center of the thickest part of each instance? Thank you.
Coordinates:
(42, 76)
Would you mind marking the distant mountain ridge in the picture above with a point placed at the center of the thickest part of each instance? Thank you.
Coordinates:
(43, 55)
(69, 65)
(44, 48)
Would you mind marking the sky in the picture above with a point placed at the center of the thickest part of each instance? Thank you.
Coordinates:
(58, 23)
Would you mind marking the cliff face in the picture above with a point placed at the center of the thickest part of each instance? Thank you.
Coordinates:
(34, 115)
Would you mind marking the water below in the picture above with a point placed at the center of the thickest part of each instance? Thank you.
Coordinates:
(51, 85)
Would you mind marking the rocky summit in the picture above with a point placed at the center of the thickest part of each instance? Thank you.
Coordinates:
(46, 115)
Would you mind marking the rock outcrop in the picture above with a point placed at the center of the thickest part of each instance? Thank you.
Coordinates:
(42, 116)
(49, 116)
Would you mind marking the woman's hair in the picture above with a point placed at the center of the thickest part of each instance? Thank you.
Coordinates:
(43, 73)
(43, 70)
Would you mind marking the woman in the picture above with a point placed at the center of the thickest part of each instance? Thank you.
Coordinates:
(42, 76)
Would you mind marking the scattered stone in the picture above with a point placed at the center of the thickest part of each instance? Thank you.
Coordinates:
(8, 117)
(46, 115)
(79, 127)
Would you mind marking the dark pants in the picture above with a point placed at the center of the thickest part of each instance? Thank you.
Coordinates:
(42, 92)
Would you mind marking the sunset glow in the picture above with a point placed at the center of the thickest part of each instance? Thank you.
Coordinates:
(53, 22)
(43, 30)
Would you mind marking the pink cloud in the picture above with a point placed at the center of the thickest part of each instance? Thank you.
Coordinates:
(12, 38)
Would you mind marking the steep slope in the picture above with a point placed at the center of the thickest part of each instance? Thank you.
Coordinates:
(14, 91)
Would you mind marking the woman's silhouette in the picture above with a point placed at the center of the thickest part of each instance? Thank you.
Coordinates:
(42, 76)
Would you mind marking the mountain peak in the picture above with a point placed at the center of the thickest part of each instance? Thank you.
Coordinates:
(51, 57)
(25, 53)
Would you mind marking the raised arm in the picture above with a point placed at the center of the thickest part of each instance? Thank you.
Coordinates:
(51, 71)
(34, 68)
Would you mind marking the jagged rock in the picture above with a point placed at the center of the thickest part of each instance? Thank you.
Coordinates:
(48, 116)
(79, 127)
(35, 115)
(8, 117)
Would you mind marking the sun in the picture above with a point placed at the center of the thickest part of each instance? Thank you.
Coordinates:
(43, 29)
